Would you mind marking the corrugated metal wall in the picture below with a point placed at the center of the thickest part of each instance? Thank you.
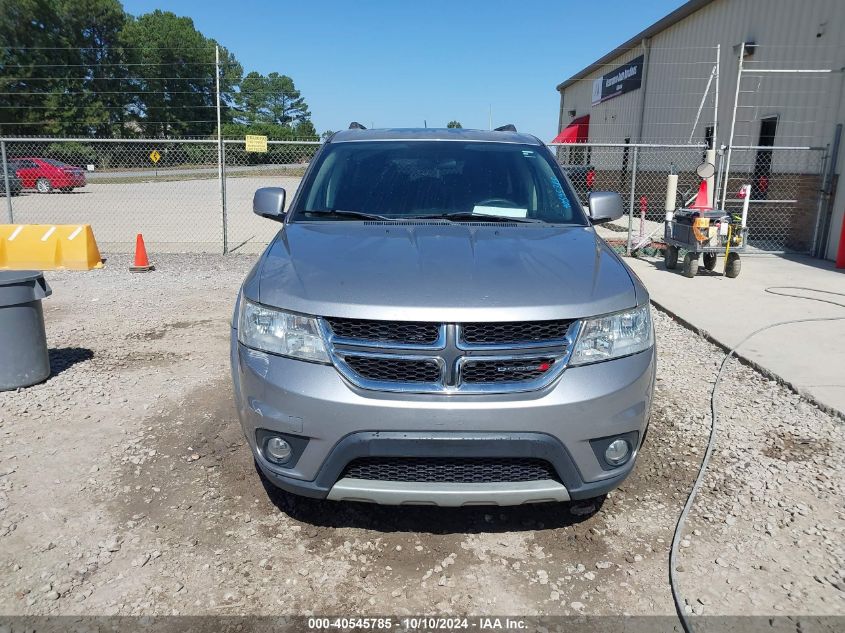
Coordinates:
(682, 56)
(787, 33)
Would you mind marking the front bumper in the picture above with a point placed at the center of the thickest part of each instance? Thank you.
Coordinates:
(66, 181)
(341, 422)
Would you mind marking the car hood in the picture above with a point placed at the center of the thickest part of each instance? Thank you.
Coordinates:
(442, 272)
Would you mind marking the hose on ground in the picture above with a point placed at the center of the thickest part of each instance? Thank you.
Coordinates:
(711, 442)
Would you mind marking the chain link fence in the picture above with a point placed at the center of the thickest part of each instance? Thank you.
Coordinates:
(638, 172)
(170, 190)
(786, 187)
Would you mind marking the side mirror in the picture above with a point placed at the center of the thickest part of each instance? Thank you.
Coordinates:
(269, 202)
(605, 206)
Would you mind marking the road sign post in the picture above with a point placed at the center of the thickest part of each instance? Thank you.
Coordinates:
(155, 156)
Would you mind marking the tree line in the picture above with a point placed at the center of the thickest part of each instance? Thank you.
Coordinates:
(88, 68)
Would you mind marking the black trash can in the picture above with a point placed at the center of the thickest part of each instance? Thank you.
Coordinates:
(24, 359)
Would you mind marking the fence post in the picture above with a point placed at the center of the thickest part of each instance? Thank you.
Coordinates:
(221, 152)
(223, 198)
(11, 215)
(826, 194)
(631, 200)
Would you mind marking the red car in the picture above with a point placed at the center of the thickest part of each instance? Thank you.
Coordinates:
(45, 174)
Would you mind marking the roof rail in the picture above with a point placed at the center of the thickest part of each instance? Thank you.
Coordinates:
(510, 127)
(356, 126)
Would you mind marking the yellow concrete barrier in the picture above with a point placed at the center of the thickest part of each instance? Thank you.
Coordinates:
(48, 247)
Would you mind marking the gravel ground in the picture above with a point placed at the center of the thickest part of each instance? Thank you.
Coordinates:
(126, 488)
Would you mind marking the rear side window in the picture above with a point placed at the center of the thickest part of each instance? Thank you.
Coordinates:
(397, 179)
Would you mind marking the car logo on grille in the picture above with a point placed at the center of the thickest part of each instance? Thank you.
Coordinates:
(544, 366)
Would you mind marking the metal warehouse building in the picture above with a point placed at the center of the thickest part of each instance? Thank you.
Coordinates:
(759, 81)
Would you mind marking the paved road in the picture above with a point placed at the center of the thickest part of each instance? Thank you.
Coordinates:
(809, 356)
(151, 173)
(181, 216)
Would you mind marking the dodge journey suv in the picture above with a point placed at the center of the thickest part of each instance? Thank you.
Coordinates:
(437, 322)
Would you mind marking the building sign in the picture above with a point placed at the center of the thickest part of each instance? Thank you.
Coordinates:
(256, 143)
(619, 81)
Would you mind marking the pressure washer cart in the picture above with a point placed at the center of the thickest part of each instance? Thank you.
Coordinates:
(705, 234)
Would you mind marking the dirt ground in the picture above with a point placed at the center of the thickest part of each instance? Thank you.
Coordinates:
(126, 488)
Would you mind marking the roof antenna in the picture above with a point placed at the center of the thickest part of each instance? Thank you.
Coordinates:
(510, 127)
(425, 123)
(356, 126)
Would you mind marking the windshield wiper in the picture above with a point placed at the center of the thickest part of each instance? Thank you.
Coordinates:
(473, 217)
(343, 213)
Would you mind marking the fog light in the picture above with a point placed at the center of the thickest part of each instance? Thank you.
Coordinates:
(277, 450)
(616, 452)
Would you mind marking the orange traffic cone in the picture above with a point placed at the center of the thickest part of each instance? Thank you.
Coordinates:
(142, 263)
(701, 198)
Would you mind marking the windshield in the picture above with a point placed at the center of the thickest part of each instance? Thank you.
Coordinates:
(398, 179)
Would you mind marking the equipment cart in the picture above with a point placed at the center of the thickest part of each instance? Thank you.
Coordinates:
(704, 238)
(705, 234)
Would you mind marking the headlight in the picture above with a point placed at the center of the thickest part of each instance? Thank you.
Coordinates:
(280, 332)
(613, 335)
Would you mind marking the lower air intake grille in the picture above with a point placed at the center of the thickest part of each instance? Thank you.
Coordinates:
(450, 469)
(394, 369)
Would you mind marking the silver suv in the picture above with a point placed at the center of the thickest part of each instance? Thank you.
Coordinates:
(437, 322)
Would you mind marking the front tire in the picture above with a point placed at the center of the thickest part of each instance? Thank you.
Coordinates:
(690, 265)
(670, 256)
(709, 261)
(42, 185)
(733, 265)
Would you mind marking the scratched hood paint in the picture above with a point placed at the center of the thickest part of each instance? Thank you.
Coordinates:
(449, 273)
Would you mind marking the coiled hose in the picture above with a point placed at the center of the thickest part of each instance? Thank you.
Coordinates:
(711, 442)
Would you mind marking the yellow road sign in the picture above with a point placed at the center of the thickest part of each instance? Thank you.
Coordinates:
(155, 156)
(256, 143)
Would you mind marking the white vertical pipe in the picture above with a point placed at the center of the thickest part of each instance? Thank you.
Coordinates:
(711, 193)
(671, 196)
(746, 201)
(716, 101)
(733, 126)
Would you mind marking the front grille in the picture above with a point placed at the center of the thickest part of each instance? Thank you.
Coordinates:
(450, 469)
(394, 369)
(514, 332)
(511, 370)
(407, 332)
(426, 357)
